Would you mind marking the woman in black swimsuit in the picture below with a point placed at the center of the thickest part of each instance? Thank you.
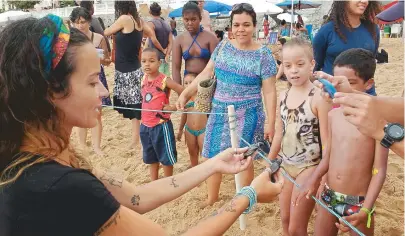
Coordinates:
(194, 46)
(129, 29)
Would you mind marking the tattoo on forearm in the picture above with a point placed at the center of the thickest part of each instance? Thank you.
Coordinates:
(230, 207)
(174, 183)
(135, 200)
(113, 178)
(111, 221)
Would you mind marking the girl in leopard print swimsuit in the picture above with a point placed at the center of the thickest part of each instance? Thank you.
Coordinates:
(300, 132)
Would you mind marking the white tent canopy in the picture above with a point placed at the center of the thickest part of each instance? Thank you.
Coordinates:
(287, 17)
(13, 15)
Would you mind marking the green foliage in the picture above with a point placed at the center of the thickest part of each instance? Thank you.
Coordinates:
(23, 4)
(66, 3)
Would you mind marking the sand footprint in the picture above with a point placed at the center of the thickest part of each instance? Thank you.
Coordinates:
(394, 168)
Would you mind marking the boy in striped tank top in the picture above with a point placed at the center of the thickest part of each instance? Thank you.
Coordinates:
(157, 134)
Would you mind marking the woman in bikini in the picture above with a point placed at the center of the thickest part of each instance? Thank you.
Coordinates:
(81, 19)
(194, 46)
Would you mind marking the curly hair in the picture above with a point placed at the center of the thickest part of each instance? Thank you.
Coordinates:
(80, 12)
(338, 14)
(125, 8)
(30, 123)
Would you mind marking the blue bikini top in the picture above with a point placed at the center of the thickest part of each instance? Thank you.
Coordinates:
(204, 54)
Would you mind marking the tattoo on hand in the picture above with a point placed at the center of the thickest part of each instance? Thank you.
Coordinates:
(135, 200)
(111, 221)
(173, 183)
(115, 179)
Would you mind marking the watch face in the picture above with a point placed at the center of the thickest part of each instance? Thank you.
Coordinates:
(396, 132)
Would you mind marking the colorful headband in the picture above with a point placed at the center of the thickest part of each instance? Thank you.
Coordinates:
(53, 53)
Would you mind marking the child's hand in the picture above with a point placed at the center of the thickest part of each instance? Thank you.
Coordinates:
(269, 132)
(265, 189)
(179, 135)
(168, 107)
(357, 219)
(307, 189)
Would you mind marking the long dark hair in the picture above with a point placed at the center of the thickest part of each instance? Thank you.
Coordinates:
(125, 8)
(338, 14)
(26, 91)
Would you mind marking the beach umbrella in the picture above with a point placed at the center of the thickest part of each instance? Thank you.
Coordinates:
(210, 6)
(291, 4)
(297, 4)
(288, 16)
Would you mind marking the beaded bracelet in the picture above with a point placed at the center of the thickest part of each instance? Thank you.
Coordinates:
(249, 192)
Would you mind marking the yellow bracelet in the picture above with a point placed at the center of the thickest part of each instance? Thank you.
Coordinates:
(369, 214)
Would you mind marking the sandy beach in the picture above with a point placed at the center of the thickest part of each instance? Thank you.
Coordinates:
(184, 212)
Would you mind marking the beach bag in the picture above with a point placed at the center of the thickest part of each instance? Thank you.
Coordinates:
(206, 89)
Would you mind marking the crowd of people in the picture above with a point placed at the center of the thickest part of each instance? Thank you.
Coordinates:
(46, 90)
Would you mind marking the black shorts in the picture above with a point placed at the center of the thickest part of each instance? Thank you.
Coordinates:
(126, 113)
(159, 144)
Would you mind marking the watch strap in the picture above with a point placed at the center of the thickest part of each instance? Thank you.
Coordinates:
(386, 141)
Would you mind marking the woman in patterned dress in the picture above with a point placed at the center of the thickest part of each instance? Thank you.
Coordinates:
(244, 69)
(129, 29)
(81, 19)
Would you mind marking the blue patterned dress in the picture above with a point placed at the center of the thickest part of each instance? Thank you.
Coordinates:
(239, 82)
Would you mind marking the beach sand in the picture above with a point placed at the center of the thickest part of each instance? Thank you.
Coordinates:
(184, 212)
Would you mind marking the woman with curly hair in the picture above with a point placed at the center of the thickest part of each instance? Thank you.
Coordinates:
(350, 25)
(49, 84)
(129, 29)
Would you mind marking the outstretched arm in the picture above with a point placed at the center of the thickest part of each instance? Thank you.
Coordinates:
(127, 222)
(147, 197)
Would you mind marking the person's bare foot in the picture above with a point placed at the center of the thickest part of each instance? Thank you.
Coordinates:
(206, 203)
(98, 151)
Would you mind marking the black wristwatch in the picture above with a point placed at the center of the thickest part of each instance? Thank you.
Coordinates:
(393, 132)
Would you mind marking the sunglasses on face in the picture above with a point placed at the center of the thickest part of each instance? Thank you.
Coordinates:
(242, 6)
